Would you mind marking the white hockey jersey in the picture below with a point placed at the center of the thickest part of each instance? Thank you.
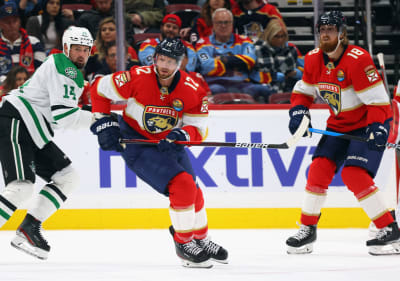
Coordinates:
(49, 99)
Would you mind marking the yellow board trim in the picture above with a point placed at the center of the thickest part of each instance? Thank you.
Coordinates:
(218, 218)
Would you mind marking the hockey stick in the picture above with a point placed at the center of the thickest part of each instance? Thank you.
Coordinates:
(289, 143)
(383, 71)
(349, 137)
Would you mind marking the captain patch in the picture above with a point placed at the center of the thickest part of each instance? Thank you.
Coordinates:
(122, 78)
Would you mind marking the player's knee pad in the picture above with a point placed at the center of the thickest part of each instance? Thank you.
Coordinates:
(356, 179)
(182, 191)
(18, 191)
(320, 174)
(66, 180)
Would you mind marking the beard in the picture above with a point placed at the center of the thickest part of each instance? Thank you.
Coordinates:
(79, 65)
(328, 47)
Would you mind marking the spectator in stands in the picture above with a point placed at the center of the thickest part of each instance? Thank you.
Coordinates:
(91, 19)
(16, 47)
(15, 78)
(109, 62)
(144, 16)
(170, 27)
(252, 16)
(29, 7)
(49, 26)
(276, 58)
(202, 25)
(197, 77)
(225, 57)
(105, 35)
(74, 14)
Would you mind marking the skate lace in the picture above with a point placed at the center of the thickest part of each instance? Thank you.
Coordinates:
(210, 246)
(382, 233)
(192, 248)
(303, 232)
(38, 229)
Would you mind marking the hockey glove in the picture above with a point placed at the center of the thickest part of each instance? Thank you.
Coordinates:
(296, 114)
(377, 136)
(108, 133)
(168, 144)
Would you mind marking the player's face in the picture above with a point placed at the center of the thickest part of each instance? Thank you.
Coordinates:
(79, 55)
(328, 38)
(166, 66)
(169, 30)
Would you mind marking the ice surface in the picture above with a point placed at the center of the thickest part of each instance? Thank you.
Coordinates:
(149, 255)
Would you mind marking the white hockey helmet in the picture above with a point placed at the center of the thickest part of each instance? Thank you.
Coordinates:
(78, 36)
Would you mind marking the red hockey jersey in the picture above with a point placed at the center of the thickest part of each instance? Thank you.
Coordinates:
(351, 86)
(153, 110)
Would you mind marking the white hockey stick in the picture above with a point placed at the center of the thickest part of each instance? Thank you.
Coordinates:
(289, 143)
(381, 62)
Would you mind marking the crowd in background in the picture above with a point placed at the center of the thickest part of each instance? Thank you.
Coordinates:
(233, 46)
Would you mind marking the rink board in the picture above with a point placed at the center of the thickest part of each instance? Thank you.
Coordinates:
(242, 188)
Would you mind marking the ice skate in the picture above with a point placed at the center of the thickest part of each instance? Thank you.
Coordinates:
(191, 254)
(216, 252)
(29, 239)
(373, 230)
(302, 241)
(386, 241)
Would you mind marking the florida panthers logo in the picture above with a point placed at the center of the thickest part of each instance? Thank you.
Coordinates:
(332, 96)
(159, 119)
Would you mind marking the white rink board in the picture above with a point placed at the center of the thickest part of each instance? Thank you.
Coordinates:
(230, 177)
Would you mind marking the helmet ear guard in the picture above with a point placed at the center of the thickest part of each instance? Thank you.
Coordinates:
(74, 35)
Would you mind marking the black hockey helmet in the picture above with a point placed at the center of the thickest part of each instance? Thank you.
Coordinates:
(335, 18)
(171, 47)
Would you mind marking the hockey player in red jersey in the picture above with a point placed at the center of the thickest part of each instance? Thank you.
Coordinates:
(345, 77)
(165, 104)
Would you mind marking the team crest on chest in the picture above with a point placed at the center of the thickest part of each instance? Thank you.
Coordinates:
(331, 94)
(158, 119)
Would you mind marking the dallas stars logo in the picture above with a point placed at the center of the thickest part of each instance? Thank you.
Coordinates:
(70, 72)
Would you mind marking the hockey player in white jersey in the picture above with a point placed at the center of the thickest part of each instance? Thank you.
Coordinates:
(28, 116)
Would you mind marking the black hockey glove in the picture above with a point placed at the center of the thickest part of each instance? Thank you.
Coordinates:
(296, 114)
(168, 144)
(108, 134)
(377, 136)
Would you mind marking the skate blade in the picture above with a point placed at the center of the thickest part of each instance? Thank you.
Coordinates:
(390, 249)
(305, 249)
(204, 264)
(220, 261)
(22, 244)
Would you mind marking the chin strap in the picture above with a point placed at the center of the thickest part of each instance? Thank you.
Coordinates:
(337, 46)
